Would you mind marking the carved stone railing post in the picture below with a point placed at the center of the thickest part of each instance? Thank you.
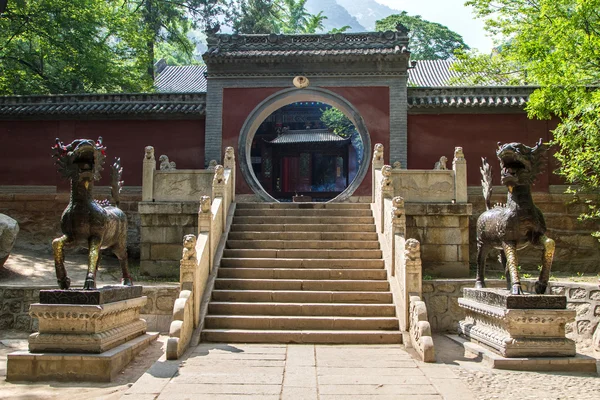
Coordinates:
(414, 271)
(205, 222)
(148, 168)
(398, 216)
(459, 166)
(420, 330)
(386, 192)
(219, 189)
(398, 233)
(376, 164)
(229, 163)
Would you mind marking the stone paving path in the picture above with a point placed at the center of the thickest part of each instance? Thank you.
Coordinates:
(306, 372)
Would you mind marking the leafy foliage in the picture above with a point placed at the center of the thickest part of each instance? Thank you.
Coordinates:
(555, 44)
(337, 122)
(68, 46)
(79, 46)
(428, 40)
(274, 16)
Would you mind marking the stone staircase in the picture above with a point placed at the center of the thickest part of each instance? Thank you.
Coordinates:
(302, 273)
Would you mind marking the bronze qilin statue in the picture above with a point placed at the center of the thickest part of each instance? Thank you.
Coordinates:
(519, 222)
(86, 221)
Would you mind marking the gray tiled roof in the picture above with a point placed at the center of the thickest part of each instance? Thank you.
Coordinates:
(469, 97)
(438, 73)
(189, 105)
(184, 78)
(224, 47)
(307, 136)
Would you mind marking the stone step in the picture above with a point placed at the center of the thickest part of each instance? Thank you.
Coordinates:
(302, 309)
(301, 253)
(357, 227)
(329, 206)
(305, 336)
(325, 220)
(337, 236)
(313, 263)
(291, 212)
(299, 322)
(302, 244)
(368, 285)
(298, 296)
(302, 273)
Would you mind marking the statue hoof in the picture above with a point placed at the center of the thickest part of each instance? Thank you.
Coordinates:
(540, 287)
(516, 289)
(64, 283)
(89, 284)
(127, 281)
(479, 285)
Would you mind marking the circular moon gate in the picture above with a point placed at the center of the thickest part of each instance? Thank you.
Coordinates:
(284, 98)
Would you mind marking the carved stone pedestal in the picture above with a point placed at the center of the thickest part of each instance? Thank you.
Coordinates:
(83, 335)
(517, 325)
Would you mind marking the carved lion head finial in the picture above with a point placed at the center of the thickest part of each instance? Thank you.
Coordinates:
(189, 247)
(205, 204)
(441, 164)
(378, 152)
(397, 165)
(149, 153)
(458, 153)
(412, 249)
(219, 175)
(398, 202)
(212, 164)
(386, 171)
(229, 154)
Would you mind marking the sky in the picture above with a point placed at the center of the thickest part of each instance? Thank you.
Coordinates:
(451, 13)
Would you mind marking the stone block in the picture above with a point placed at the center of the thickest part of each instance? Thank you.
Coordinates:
(437, 252)
(517, 332)
(86, 328)
(163, 251)
(103, 295)
(7, 321)
(446, 236)
(449, 209)
(104, 367)
(160, 269)
(159, 207)
(172, 234)
(454, 269)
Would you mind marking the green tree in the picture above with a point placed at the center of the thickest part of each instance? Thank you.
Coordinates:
(428, 40)
(68, 46)
(274, 16)
(555, 44)
(337, 122)
(256, 16)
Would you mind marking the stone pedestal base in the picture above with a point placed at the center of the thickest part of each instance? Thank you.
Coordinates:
(83, 335)
(69, 367)
(517, 326)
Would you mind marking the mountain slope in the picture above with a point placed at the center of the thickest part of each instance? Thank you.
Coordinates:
(367, 11)
(337, 16)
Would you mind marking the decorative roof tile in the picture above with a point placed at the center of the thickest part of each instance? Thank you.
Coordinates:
(469, 97)
(439, 73)
(185, 78)
(365, 44)
(189, 105)
(308, 136)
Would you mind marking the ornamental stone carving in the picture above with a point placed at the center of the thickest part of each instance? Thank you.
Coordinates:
(189, 248)
(205, 204)
(412, 250)
(441, 164)
(165, 164)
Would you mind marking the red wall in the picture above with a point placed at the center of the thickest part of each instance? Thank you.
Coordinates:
(430, 136)
(371, 102)
(26, 155)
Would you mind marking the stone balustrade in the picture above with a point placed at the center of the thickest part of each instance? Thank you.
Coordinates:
(198, 257)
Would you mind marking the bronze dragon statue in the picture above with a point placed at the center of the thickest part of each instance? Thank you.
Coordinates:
(519, 222)
(86, 221)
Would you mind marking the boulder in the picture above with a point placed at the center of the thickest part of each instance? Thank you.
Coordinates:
(9, 228)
